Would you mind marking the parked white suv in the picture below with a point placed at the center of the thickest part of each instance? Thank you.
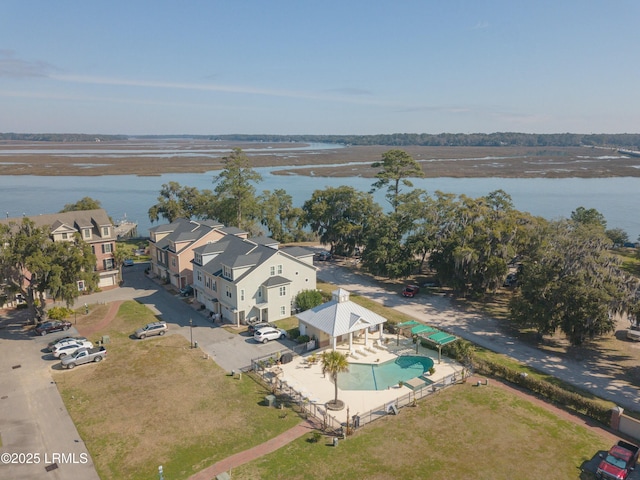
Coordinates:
(61, 350)
(268, 333)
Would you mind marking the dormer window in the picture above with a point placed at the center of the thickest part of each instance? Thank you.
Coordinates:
(227, 272)
(86, 233)
(197, 258)
(105, 231)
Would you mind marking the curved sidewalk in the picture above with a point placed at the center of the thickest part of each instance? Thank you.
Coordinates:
(258, 451)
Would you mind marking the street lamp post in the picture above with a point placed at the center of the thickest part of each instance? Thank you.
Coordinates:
(191, 331)
(160, 473)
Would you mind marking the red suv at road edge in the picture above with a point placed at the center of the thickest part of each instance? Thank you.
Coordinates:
(410, 291)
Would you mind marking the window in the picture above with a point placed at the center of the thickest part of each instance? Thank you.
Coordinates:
(107, 248)
(272, 270)
(197, 258)
(228, 291)
(108, 263)
(283, 311)
(279, 269)
(173, 261)
(242, 295)
(105, 231)
(227, 272)
(199, 275)
(86, 233)
(65, 235)
(214, 286)
(81, 285)
(283, 291)
(259, 292)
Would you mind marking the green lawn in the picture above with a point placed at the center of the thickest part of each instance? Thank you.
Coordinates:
(462, 433)
(158, 402)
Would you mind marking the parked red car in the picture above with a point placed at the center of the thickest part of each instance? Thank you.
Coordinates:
(410, 291)
(53, 326)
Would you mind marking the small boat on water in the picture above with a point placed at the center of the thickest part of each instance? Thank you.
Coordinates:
(631, 153)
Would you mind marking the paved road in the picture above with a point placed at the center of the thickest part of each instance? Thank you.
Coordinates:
(33, 419)
(438, 311)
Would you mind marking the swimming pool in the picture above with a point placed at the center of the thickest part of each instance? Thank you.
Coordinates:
(381, 376)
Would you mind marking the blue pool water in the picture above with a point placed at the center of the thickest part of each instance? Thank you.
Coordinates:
(381, 376)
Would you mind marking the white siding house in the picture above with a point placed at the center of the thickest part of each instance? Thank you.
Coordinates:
(251, 279)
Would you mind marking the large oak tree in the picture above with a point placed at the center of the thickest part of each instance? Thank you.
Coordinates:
(32, 264)
(573, 284)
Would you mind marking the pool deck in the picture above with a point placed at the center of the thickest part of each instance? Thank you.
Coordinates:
(308, 380)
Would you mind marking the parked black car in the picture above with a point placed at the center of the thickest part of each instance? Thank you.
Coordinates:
(324, 256)
(186, 291)
(53, 326)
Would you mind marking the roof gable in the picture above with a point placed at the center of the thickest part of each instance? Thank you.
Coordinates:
(75, 220)
(339, 316)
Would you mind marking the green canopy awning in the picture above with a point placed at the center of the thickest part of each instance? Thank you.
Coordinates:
(423, 329)
(441, 338)
(408, 324)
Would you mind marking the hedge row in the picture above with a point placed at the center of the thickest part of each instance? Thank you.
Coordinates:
(556, 394)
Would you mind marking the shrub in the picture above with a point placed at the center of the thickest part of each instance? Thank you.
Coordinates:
(302, 339)
(391, 325)
(308, 299)
(460, 350)
(294, 333)
(59, 313)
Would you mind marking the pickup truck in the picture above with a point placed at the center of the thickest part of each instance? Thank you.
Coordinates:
(61, 350)
(84, 355)
(618, 462)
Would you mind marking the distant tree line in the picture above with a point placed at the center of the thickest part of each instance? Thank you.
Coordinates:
(60, 137)
(497, 139)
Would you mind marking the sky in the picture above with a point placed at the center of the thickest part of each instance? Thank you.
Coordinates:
(319, 67)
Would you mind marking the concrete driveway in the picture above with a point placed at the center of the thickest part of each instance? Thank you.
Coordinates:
(437, 310)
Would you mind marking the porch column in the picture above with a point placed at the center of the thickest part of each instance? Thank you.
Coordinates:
(333, 342)
(380, 331)
(350, 341)
(366, 337)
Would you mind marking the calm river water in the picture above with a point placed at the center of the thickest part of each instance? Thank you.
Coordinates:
(618, 199)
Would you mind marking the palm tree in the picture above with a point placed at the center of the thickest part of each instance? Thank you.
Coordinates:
(333, 363)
